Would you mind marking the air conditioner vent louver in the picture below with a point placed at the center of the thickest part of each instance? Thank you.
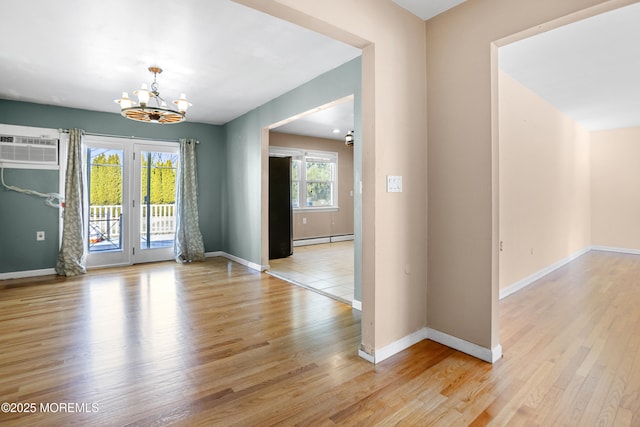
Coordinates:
(28, 150)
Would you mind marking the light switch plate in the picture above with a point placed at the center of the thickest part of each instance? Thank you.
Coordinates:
(394, 184)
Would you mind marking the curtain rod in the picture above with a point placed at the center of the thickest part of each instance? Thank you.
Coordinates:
(125, 137)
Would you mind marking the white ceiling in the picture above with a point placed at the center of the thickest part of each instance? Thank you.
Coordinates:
(590, 69)
(426, 9)
(228, 58)
(332, 122)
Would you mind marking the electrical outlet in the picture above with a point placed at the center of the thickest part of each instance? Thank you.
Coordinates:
(39, 235)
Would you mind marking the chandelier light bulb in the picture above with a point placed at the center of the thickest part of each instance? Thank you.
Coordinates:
(125, 102)
(142, 94)
(182, 103)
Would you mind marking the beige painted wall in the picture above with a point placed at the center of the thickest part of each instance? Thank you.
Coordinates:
(456, 57)
(463, 157)
(544, 183)
(394, 273)
(615, 200)
(323, 224)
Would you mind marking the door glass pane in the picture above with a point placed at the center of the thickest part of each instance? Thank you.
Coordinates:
(158, 197)
(105, 168)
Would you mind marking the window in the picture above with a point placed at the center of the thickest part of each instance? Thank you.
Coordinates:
(314, 177)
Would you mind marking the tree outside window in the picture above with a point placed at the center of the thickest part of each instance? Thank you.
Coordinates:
(314, 177)
(319, 179)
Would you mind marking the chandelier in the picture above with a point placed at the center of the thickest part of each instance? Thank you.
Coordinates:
(147, 113)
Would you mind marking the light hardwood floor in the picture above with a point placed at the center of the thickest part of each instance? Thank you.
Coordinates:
(214, 343)
(326, 268)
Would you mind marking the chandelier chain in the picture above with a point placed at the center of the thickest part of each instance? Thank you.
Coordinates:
(154, 85)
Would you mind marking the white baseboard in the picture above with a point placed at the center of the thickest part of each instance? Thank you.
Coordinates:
(240, 261)
(319, 240)
(356, 304)
(482, 353)
(27, 273)
(523, 283)
(343, 238)
(213, 254)
(307, 242)
(618, 250)
(366, 356)
(397, 346)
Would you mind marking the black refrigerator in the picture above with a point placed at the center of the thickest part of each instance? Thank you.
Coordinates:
(280, 214)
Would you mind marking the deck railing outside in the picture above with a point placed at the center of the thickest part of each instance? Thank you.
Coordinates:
(105, 225)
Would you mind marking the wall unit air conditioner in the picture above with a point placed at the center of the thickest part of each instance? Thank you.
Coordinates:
(28, 151)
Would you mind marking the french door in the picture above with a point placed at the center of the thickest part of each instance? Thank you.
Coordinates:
(130, 195)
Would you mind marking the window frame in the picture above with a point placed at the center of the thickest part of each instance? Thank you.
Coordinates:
(301, 155)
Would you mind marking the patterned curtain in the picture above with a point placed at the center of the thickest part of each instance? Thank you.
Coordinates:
(188, 243)
(72, 251)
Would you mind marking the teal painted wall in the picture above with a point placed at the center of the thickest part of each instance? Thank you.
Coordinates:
(242, 231)
(229, 171)
(21, 215)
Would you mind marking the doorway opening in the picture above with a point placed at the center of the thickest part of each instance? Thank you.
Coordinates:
(130, 194)
(320, 198)
(550, 112)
